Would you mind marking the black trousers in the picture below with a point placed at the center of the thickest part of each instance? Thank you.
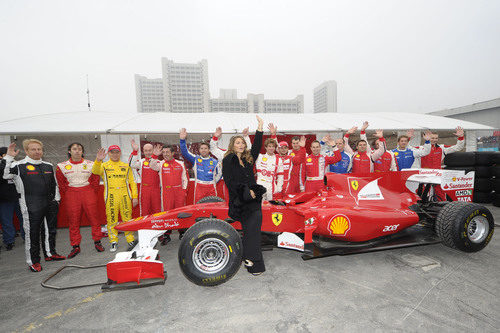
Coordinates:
(41, 227)
(251, 222)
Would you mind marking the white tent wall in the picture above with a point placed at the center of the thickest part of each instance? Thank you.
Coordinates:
(470, 141)
(55, 147)
(4, 140)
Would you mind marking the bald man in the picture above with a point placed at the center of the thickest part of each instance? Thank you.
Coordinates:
(149, 194)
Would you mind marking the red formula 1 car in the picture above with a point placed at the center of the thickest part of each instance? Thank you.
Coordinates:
(357, 213)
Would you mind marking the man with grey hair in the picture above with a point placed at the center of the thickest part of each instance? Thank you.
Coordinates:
(36, 183)
(149, 192)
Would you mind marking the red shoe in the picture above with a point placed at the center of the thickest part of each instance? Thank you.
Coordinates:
(36, 267)
(55, 256)
(74, 252)
(98, 246)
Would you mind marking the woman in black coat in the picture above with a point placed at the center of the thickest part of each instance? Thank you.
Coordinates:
(245, 196)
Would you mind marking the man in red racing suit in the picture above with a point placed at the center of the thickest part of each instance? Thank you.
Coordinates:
(316, 164)
(296, 171)
(435, 158)
(173, 183)
(149, 194)
(362, 159)
(77, 186)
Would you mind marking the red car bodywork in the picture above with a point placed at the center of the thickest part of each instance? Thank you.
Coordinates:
(354, 208)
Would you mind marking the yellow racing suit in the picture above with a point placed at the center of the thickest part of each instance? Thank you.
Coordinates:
(119, 190)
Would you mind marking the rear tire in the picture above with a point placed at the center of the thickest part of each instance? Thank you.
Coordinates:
(211, 198)
(465, 226)
(210, 252)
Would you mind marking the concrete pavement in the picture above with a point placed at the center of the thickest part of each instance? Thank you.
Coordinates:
(428, 288)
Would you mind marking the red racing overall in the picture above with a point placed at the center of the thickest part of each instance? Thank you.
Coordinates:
(77, 186)
(315, 170)
(149, 194)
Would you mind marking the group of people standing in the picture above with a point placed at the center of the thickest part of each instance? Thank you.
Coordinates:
(249, 177)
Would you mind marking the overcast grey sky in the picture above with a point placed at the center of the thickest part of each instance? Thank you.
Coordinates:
(408, 56)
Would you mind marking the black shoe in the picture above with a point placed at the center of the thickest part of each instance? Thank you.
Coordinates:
(74, 252)
(131, 245)
(165, 240)
(181, 233)
(9, 247)
(98, 246)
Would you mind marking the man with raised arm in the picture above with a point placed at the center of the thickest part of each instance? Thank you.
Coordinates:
(315, 166)
(207, 171)
(39, 200)
(269, 167)
(408, 157)
(120, 192)
(362, 159)
(386, 162)
(435, 158)
(173, 182)
(342, 166)
(149, 194)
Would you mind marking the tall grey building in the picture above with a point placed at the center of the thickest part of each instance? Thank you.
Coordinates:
(149, 94)
(295, 105)
(185, 86)
(325, 97)
(228, 102)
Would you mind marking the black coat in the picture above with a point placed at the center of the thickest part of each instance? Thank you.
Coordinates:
(8, 190)
(240, 180)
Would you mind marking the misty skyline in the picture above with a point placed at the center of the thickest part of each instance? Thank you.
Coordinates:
(411, 56)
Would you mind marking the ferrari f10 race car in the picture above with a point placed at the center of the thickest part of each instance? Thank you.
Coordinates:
(355, 214)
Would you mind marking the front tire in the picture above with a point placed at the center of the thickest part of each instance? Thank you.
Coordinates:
(465, 226)
(210, 252)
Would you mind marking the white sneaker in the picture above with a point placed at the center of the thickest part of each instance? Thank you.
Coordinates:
(114, 247)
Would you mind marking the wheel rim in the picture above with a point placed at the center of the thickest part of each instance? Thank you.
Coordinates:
(478, 229)
(210, 255)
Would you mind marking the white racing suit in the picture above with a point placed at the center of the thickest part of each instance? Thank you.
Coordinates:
(269, 174)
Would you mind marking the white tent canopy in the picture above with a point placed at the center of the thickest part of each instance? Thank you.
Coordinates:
(151, 123)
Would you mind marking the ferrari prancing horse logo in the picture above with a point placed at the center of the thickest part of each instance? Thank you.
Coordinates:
(277, 218)
(354, 184)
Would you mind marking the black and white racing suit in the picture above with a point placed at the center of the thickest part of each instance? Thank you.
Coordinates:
(39, 200)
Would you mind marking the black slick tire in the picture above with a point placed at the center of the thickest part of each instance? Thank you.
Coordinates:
(211, 198)
(483, 184)
(465, 226)
(210, 252)
(483, 171)
(484, 158)
(482, 197)
(460, 159)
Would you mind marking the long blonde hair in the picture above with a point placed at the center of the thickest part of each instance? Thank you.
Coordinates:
(246, 153)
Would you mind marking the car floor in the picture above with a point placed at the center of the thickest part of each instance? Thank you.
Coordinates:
(427, 288)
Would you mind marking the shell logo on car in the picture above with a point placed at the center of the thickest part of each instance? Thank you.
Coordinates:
(339, 225)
